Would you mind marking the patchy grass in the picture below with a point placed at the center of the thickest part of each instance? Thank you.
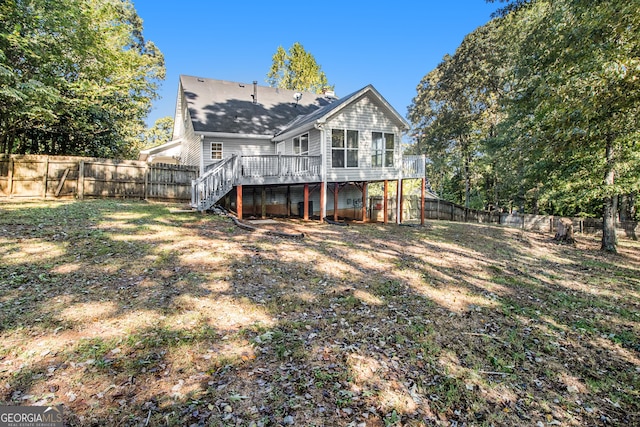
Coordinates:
(128, 314)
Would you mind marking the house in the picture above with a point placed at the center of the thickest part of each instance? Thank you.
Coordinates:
(167, 153)
(271, 151)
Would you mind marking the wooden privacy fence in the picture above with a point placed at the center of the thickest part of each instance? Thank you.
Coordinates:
(441, 209)
(32, 176)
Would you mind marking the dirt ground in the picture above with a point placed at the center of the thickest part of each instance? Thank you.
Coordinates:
(135, 314)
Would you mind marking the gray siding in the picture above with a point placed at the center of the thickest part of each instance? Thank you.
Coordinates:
(237, 146)
(314, 142)
(191, 150)
(365, 117)
(179, 119)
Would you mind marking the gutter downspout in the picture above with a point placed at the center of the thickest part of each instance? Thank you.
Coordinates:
(323, 168)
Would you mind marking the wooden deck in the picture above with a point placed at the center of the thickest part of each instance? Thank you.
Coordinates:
(273, 170)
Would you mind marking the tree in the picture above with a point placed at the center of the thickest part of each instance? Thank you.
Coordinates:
(77, 77)
(297, 70)
(159, 133)
(578, 99)
(542, 104)
(456, 109)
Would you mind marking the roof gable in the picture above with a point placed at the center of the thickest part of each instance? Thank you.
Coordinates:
(229, 107)
(323, 114)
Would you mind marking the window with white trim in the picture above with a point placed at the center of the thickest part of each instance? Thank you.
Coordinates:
(382, 149)
(216, 150)
(301, 145)
(344, 148)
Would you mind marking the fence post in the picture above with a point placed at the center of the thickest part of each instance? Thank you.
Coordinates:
(81, 180)
(10, 183)
(399, 203)
(45, 177)
(147, 171)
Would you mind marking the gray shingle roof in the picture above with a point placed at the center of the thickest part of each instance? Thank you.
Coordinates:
(323, 113)
(302, 121)
(223, 106)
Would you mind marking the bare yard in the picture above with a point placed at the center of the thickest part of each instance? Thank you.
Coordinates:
(131, 315)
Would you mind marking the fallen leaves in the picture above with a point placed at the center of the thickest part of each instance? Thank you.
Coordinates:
(139, 317)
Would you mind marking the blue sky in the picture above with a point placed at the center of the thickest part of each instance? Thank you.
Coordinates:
(390, 44)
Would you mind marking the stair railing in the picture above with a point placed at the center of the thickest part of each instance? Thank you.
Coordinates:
(214, 184)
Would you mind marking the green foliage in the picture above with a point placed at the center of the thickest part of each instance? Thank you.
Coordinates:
(456, 110)
(538, 109)
(578, 97)
(76, 77)
(297, 70)
(160, 133)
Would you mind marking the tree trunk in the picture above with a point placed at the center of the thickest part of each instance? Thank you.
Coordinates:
(564, 233)
(627, 202)
(609, 238)
(467, 181)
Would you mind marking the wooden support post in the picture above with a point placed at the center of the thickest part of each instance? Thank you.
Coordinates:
(364, 201)
(263, 201)
(323, 210)
(147, 171)
(239, 201)
(288, 200)
(385, 202)
(253, 207)
(400, 197)
(422, 195)
(45, 177)
(305, 202)
(10, 178)
(80, 188)
(335, 201)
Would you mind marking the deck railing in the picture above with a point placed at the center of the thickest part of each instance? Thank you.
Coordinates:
(413, 166)
(219, 179)
(279, 166)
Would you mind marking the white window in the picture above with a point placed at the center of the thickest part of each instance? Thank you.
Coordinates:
(216, 150)
(382, 149)
(301, 145)
(344, 148)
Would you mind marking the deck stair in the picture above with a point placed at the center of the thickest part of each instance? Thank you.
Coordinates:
(208, 189)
